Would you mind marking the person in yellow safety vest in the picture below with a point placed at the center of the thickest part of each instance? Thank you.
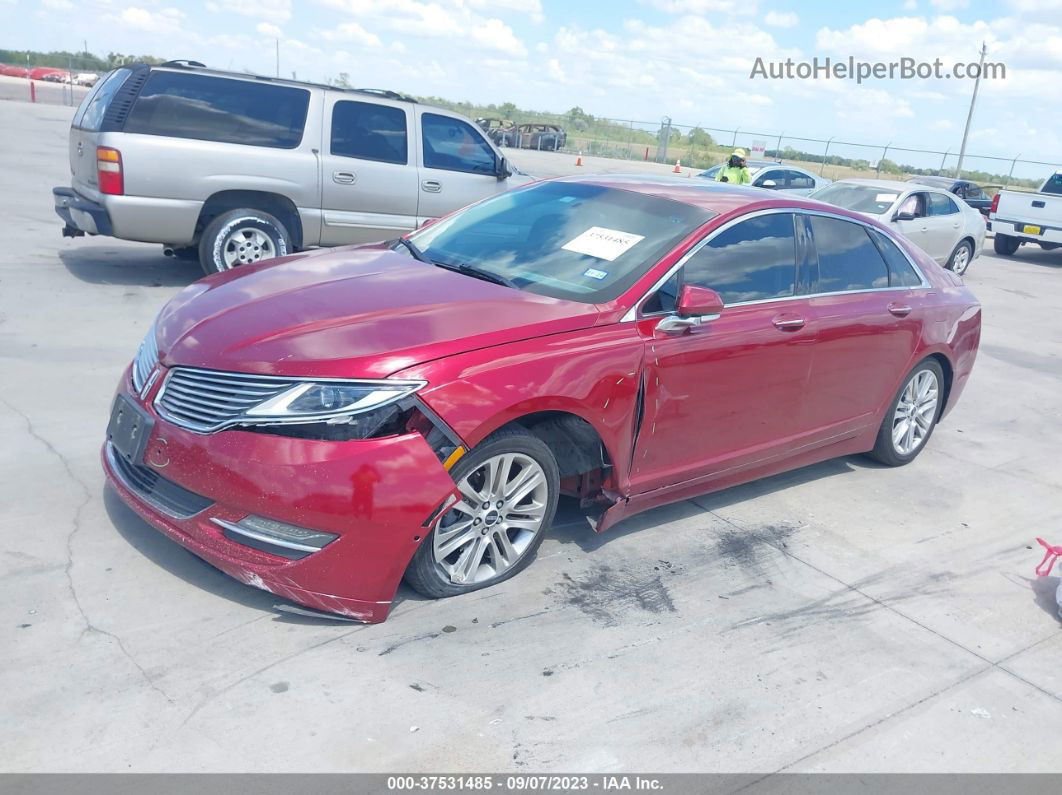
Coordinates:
(735, 171)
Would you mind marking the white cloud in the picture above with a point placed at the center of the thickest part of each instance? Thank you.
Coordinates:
(270, 10)
(164, 20)
(268, 29)
(703, 6)
(351, 32)
(494, 34)
(532, 8)
(781, 19)
(555, 71)
(949, 5)
(57, 5)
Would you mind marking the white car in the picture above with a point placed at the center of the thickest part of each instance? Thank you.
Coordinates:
(950, 231)
(773, 175)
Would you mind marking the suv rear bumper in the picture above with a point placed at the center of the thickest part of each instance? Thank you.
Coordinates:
(80, 215)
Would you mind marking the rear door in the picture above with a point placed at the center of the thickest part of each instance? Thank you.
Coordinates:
(369, 172)
(799, 183)
(457, 164)
(866, 306)
(945, 226)
(85, 133)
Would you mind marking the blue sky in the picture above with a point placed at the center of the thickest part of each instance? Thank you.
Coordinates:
(642, 59)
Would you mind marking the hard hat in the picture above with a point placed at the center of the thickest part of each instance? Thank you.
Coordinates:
(739, 153)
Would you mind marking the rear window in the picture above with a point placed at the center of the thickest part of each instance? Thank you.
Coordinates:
(901, 274)
(848, 259)
(1053, 184)
(89, 115)
(219, 109)
(369, 131)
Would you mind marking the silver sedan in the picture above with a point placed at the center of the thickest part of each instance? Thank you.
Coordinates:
(773, 175)
(950, 231)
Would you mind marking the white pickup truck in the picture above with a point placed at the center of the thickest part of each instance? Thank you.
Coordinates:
(1018, 217)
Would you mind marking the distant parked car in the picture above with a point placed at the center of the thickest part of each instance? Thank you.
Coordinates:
(541, 136)
(14, 71)
(970, 192)
(773, 175)
(501, 131)
(951, 232)
(49, 73)
(86, 78)
(226, 167)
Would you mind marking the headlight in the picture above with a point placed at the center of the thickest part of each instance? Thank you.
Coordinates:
(331, 401)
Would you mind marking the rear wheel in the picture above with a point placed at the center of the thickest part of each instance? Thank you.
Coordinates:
(509, 486)
(961, 258)
(911, 417)
(1006, 244)
(242, 237)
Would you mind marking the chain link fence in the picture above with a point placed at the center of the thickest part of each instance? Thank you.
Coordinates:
(702, 146)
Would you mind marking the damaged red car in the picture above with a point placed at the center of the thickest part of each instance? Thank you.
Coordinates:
(326, 424)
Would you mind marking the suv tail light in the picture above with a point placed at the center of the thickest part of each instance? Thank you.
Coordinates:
(995, 203)
(109, 170)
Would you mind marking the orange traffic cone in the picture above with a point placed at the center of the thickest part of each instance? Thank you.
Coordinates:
(678, 167)
(579, 159)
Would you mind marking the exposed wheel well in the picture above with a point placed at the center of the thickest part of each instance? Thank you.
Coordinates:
(273, 203)
(581, 454)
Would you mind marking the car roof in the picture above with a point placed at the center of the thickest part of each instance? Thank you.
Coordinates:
(716, 197)
(891, 184)
(937, 181)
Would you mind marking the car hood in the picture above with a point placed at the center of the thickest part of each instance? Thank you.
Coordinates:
(360, 312)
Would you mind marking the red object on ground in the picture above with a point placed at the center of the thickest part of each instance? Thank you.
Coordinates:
(1050, 556)
(33, 91)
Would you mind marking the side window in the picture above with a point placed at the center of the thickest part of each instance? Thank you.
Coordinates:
(901, 274)
(369, 131)
(665, 299)
(1053, 184)
(848, 260)
(453, 145)
(96, 106)
(975, 192)
(776, 176)
(799, 181)
(220, 109)
(939, 204)
(751, 261)
(914, 204)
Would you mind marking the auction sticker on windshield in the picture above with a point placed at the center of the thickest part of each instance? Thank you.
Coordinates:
(606, 244)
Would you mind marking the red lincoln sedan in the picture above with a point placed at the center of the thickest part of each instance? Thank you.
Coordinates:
(326, 424)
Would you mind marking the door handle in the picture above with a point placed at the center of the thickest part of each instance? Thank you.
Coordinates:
(900, 310)
(431, 186)
(787, 322)
(344, 177)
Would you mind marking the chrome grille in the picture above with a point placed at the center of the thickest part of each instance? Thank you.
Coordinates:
(208, 400)
(147, 359)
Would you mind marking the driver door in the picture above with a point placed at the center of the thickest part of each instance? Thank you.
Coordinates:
(728, 394)
(457, 166)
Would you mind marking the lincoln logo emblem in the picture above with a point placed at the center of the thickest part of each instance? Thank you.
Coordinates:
(158, 457)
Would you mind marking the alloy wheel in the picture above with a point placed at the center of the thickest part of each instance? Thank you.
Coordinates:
(246, 245)
(501, 511)
(961, 261)
(915, 412)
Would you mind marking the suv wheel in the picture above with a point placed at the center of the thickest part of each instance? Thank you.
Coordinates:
(242, 237)
(1006, 244)
(509, 486)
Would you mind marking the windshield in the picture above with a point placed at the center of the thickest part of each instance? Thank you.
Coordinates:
(567, 240)
(860, 198)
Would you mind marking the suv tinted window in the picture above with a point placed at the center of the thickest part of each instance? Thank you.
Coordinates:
(95, 104)
(1053, 184)
(901, 274)
(848, 260)
(369, 131)
(453, 145)
(939, 204)
(219, 109)
(750, 261)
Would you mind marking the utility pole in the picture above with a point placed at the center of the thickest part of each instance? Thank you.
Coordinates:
(278, 59)
(969, 116)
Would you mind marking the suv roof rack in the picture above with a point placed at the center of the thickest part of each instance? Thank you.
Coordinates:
(183, 62)
(386, 93)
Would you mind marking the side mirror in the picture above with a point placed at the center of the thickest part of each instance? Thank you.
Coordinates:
(768, 183)
(503, 169)
(695, 306)
(904, 215)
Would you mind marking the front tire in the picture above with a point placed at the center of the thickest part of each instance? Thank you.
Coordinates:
(1006, 244)
(961, 257)
(509, 486)
(242, 237)
(912, 416)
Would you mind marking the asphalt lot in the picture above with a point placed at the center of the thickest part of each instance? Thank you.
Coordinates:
(843, 617)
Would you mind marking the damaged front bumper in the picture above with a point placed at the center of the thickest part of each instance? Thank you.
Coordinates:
(376, 498)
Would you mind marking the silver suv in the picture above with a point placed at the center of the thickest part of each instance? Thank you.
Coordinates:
(233, 168)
